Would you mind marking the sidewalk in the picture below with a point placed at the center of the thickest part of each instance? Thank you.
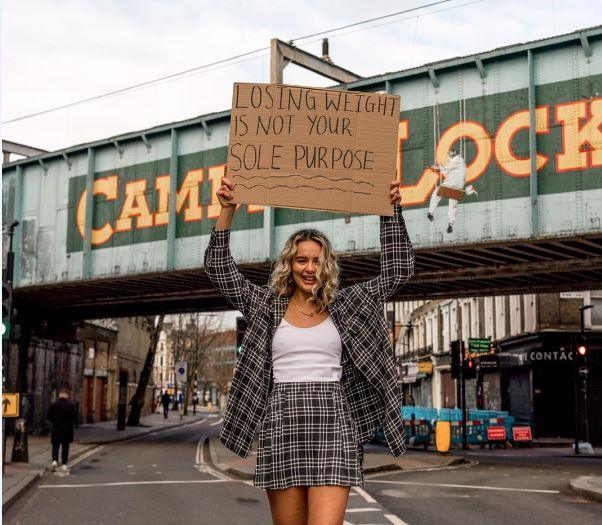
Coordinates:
(18, 477)
(376, 458)
(588, 487)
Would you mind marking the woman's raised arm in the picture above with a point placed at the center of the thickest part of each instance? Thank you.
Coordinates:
(396, 253)
(220, 267)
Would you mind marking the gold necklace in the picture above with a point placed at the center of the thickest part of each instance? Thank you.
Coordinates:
(299, 309)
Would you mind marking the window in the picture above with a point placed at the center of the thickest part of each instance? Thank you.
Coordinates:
(529, 305)
(515, 317)
(453, 321)
(489, 325)
(500, 317)
(445, 330)
(474, 318)
(465, 321)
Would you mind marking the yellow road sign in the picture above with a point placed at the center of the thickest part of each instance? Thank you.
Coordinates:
(10, 405)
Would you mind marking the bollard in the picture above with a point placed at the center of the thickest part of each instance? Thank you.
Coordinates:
(20, 445)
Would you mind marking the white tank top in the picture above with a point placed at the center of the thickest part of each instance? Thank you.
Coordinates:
(307, 354)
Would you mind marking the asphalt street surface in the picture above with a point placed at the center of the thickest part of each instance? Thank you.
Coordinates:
(164, 478)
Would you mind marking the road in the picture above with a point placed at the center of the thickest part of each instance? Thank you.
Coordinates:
(163, 478)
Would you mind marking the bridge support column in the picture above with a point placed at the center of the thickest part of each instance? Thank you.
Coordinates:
(87, 255)
(173, 190)
(18, 216)
(533, 148)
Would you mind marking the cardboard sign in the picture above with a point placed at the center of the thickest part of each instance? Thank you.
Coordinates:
(309, 148)
(496, 433)
(522, 433)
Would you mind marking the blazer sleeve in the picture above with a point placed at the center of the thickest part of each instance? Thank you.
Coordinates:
(396, 258)
(222, 271)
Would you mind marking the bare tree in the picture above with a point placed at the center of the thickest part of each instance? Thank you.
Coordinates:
(153, 326)
(191, 337)
(220, 364)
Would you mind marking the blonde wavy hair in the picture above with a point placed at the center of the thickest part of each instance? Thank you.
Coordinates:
(327, 276)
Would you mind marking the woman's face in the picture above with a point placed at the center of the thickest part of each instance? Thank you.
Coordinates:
(306, 264)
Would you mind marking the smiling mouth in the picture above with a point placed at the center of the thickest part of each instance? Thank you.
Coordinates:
(309, 280)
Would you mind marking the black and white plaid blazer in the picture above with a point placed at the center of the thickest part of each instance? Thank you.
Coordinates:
(369, 379)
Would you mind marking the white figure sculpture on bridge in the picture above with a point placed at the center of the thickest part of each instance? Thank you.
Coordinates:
(453, 187)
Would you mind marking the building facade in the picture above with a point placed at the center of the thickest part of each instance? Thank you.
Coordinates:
(528, 372)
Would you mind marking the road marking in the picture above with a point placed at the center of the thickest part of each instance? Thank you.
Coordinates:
(370, 509)
(85, 455)
(364, 495)
(218, 422)
(395, 520)
(201, 466)
(458, 486)
(164, 430)
(122, 483)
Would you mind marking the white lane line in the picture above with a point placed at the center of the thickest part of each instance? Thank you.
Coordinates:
(364, 495)
(122, 483)
(218, 422)
(458, 486)
(369, 509)
(395, 520)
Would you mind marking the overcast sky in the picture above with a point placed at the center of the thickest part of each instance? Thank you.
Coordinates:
(59, 51)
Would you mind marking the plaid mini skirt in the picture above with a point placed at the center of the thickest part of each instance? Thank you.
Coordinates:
(308, 437)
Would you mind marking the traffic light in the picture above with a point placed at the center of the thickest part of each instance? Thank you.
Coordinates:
(470, 368)
(7, 309)
(456, 358)
(241, 326)
(582, 350)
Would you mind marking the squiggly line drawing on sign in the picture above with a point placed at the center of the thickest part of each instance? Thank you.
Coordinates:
(299, 186)
(306, 177)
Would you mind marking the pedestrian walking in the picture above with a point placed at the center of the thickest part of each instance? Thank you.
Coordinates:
(316, 372)
(195, 401)
(63, 417)
(165, 401)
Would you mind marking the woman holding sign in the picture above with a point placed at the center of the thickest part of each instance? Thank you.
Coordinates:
(316, 372)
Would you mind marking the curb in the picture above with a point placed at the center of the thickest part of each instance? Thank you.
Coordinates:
(232, 471)
(87, 446)
(451, 462)
(581, 487)
(222, 467)
(37, 474)
(145, 433)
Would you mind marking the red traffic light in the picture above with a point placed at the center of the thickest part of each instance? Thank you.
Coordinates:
(582, 350)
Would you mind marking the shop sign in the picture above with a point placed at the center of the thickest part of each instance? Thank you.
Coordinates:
(425, 367)
(550, 355)
(488, 361)
(88, 372)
